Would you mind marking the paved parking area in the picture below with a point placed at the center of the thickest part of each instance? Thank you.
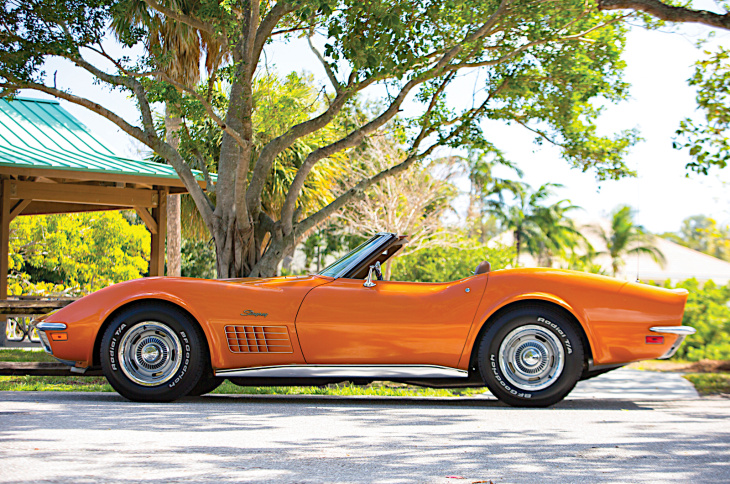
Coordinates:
(94, 437)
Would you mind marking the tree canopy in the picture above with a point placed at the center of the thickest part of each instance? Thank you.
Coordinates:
(545, 66)
(75, 253)
(707, 140)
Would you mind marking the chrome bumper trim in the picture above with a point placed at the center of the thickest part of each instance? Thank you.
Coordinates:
(346, 371)
(681, 332)
(51, 326)
(42, 328)
(685, 330)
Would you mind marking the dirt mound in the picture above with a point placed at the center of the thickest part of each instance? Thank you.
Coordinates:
(709, 366)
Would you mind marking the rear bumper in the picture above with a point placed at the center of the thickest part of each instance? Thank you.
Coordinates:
(681, 332)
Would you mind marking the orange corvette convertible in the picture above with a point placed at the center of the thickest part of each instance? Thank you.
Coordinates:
(527, 334)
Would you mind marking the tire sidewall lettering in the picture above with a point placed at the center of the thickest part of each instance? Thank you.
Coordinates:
(500, 380)
(563, 337)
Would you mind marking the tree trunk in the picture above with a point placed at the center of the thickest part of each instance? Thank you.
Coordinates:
(174, 230)
(517, 247)
(387, 271)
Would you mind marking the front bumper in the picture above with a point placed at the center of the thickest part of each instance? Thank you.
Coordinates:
(42, 328)
(681, 332)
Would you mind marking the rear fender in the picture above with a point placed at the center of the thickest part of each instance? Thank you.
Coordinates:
(488, 308)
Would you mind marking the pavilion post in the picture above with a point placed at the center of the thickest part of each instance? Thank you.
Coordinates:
(4, 238)
(157, 253)
(4, 249)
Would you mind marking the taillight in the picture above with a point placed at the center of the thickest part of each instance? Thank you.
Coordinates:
(655, 340)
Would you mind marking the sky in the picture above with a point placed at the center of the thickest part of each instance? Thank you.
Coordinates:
(658, 66)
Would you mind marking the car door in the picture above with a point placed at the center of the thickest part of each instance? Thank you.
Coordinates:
(345, 323)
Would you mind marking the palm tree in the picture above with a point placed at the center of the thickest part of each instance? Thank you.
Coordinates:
(558, 230)
(180, 47)
(479, 166)
(626, 237)
(541, 230)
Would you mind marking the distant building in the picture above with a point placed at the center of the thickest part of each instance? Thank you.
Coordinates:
(680, 262)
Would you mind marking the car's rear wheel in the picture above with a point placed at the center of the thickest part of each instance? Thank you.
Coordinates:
(153, 353)
(531, 357)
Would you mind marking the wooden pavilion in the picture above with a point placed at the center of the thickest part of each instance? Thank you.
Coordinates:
(52, 163)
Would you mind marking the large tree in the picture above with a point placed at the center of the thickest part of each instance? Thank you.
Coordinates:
(708, 140)
(539, 65)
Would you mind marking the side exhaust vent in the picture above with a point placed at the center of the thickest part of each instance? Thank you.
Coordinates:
(258, 339)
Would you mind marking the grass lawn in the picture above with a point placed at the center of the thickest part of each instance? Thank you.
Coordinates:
(710, 383)
(20, 355)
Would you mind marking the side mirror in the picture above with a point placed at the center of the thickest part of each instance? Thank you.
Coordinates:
(375, 268)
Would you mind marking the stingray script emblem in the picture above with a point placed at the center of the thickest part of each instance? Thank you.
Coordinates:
(249, 312)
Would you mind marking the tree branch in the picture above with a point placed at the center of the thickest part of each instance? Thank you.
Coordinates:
(274, 147)
(267, 25)
(354, 137)
(668, 12)
(358, 190)
(207, 106)
(327, 69)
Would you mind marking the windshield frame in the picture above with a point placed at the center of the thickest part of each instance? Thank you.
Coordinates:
(359, 254)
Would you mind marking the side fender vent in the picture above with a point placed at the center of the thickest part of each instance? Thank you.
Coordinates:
(258, 339)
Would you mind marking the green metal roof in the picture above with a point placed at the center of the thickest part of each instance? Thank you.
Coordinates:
(39, 133)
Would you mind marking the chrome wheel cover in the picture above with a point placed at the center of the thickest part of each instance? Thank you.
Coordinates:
(150, 353)
(531, 357)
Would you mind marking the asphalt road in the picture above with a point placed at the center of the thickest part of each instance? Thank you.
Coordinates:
(615, 431)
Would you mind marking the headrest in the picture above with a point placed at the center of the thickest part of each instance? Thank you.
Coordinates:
(483, 268)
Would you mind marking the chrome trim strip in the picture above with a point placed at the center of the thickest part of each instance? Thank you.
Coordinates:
(42, 328)
(50, 326)
(45, 343)
(346, 371)
(684, 330)
(681, 332)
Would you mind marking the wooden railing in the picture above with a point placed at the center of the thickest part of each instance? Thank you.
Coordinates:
(32, 305)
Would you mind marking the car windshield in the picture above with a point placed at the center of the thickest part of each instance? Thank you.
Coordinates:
(341, 264)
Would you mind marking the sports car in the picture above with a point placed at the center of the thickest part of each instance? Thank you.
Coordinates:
(528, 335)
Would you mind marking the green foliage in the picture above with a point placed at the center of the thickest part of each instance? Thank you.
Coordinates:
(279, 104)
(702, 233)
(197, 259)
(707, 140)
(449, 263)
(75, 253)
(708, 311)
(331, 240)
(710, 383)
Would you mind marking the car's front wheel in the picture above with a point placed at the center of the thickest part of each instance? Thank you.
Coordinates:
(531, 357)
(153, 353)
